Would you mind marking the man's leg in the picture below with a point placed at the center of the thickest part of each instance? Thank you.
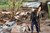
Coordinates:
(32, 25)
(39, 24)
(37, 27)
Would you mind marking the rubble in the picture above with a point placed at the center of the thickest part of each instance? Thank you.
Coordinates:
(22, 22)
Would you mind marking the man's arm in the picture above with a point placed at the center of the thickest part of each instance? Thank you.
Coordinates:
(31, 17)
(38, 10)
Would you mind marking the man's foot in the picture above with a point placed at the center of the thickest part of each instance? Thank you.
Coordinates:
(37, 32)
(31, 32)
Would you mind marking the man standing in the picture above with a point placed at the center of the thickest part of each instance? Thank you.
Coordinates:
(34, 21)
(34, 16)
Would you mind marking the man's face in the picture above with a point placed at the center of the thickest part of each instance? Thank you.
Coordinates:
(33, 10)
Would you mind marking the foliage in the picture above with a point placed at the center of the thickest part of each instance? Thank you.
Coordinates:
(49, 11)
(18, 4)
(27, 0)
(2, 2)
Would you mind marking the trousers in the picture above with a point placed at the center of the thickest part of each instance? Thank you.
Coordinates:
(36, 25)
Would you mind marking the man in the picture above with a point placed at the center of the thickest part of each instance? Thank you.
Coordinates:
(34, 16)
(34, 21)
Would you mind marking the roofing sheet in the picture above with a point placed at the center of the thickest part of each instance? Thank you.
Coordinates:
(31, 4)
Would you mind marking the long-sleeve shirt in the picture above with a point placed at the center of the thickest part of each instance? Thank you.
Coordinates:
(33, 16)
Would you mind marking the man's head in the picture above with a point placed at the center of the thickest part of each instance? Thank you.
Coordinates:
(32, 10)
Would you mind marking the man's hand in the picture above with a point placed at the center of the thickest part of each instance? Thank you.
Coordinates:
(37, 14)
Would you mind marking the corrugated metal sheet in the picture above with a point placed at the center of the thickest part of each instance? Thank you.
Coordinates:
(31, 4)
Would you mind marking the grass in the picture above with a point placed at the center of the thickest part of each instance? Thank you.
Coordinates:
(4, 6)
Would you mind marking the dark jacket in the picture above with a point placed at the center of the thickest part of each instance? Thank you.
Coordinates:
(33, 17)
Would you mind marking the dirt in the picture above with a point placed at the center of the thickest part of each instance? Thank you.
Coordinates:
(43, 27)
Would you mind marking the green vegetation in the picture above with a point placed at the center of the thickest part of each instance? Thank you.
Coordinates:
(49, 11)
(7, 3)
(27, 0)
(4, 4)
(18, 4)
